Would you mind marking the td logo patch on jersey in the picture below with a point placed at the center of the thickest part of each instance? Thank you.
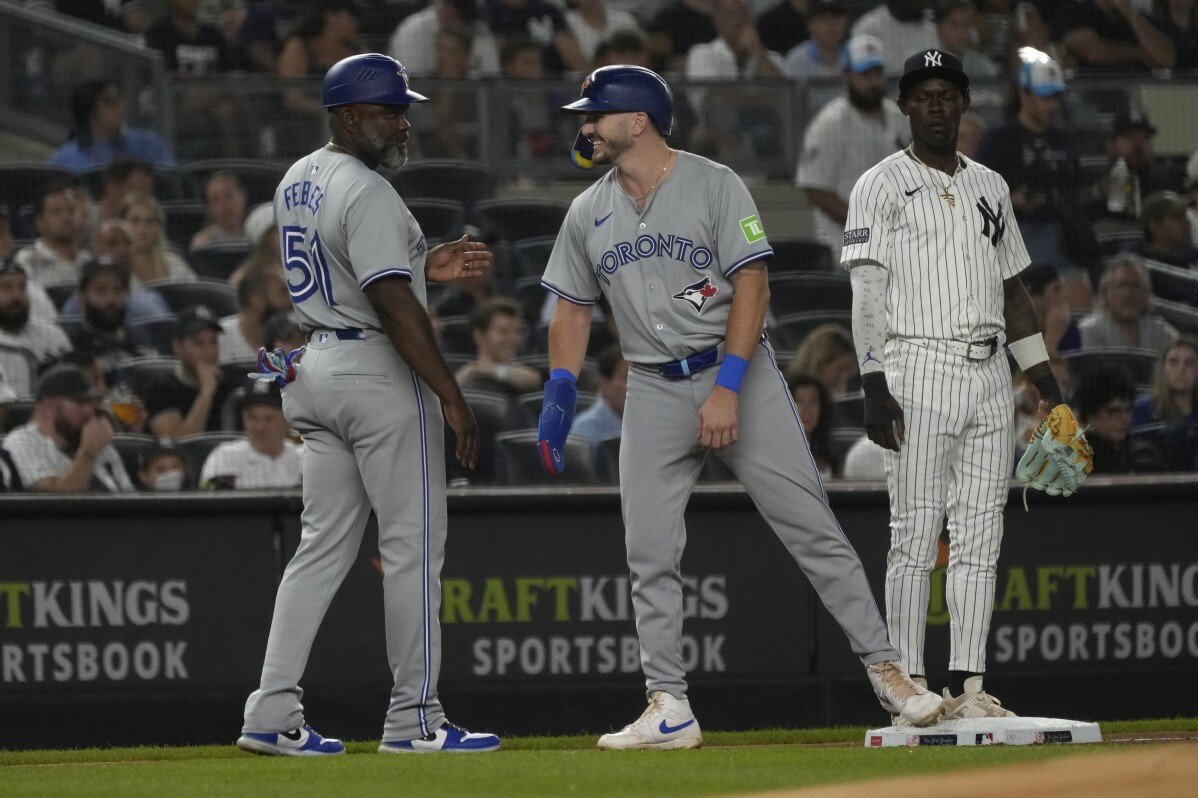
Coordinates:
(698, 293)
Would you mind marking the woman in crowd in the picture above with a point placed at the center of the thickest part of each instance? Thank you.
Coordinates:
(150, 260)
(814, 404)
(224, 203)
(1175, 393)
(827, 354)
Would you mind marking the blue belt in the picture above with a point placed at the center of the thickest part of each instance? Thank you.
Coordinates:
(677, 369)
(343, 334)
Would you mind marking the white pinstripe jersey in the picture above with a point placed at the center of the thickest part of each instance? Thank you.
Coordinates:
(251, 469)
(341, 227)
(946, 264)
(665, 269)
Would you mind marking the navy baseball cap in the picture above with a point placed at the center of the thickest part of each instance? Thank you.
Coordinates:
(927, 64)
(262, 392)
(194, 318)
(66, 380)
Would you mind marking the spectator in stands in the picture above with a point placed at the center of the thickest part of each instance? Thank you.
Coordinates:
(1174, 394)
(737, 51)
(498, 328)
(1178, 19)
(410, 43)
(100, 135)
(189, 47)
(261, 33)
(325, 34)
(264, 458)
(162, 468)
(847, 137)
(624, 47)
(114, 242)
(1113, 34)
(54, 257)
(224, 203)
(1124, 316)
(903, 26)
(122, 177)
(784, 25)
(676, 28)
(261, 293)
(189, 401)
(1131, 154)
(956, 26)
(455, 134)
(1168, 237)
(814, 404)
(605, 417)
(466, 293)
(819, 55)
(1037, 158)
(150, 261)
(865, 460)
(66, 447)
(828, 354)
(1044, 286)
(262, 233)
(970, 131)
(1104, 398)
(534, 118)
(593, 21)
(545, 25)
(46, 341)
(102, 331)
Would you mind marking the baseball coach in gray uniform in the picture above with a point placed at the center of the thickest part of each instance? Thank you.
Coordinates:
(675, 243)
(370, 397)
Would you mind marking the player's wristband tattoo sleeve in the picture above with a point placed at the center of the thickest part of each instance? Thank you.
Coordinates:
(869, 314)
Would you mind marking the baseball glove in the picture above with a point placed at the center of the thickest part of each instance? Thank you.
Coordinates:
(1058, 457)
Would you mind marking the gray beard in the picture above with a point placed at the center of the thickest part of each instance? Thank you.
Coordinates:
(392, 157)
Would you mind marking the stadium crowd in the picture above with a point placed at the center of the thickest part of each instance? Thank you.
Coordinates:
(137, 286)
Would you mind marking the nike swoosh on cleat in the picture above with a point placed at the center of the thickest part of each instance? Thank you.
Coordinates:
(912, 191)
(664, 729)
(293, 735)
(600, 221)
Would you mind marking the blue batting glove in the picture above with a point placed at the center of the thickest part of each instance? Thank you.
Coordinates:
(557, 414)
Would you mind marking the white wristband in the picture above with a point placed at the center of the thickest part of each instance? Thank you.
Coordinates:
(1029, 351)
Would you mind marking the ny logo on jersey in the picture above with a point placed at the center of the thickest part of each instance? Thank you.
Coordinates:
(698, 293)
(990, 219)
(931, 59)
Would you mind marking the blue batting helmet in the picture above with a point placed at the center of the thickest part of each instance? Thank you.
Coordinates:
(368, 78)
(626, 88)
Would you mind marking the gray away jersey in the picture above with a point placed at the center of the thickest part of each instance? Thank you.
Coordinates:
(342, 226)
(946, 264)
(664, 270)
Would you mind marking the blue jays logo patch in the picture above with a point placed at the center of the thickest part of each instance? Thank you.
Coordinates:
(698, 293)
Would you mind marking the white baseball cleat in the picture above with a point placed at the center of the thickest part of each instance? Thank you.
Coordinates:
(901, 696)
(974, 703)
(666, 723)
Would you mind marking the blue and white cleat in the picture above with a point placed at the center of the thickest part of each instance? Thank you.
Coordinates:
(665, 724)
(447, 738)
(303, 741)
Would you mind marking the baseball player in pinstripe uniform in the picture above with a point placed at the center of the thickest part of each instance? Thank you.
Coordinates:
(370, 398)
(675, 244)
(934, 254)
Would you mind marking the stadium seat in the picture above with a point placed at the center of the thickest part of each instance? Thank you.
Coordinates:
(139, 372)
(843, 439)
(20, 185)
(521, 465)
(131, 446)
(439, 219)
(260, 178)
(849, 410)
(514, 219)
(530, 256)
(196, 448)
(799, 292)
(495, 413)
(609, 457)
(218, 261)
(219, 297)
(59, 293)
(184, 219)
(456, 337)
(19, 412)
(466, 182)
(715, 470)
(19, 366)
(1182, 316)
(156, 333)
(1140, 363)
(795, 254)
(793, 329)
(531, 295)
(1172, 283)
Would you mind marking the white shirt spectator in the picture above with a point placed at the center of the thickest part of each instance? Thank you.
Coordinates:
(233, 345)
(44, 266)
(840, 145)
(590, 38)
(412, 44)
(805, 60)
(249, 469)
(715, 59)
(45, 341)
(899, 39)
(36, 457)
(864, 460)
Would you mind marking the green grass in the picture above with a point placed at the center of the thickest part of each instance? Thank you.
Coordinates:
(732, 763)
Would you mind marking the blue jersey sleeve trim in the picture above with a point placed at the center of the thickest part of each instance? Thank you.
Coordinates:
(567, 297)
(740, 264)
(387, 273)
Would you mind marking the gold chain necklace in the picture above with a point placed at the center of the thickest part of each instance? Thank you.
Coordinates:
(641, 198)
(945, 194)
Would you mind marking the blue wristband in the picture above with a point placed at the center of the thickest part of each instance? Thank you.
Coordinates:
(732, 371)
(563, 374)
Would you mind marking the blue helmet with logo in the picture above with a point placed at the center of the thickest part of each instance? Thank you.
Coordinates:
(368, 78)
(612, 89)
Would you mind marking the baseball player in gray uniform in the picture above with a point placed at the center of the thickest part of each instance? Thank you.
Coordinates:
(370, 397)
(675, 243)
(934, 254)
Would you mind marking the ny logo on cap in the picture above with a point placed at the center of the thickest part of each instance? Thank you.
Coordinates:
(931, 59)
